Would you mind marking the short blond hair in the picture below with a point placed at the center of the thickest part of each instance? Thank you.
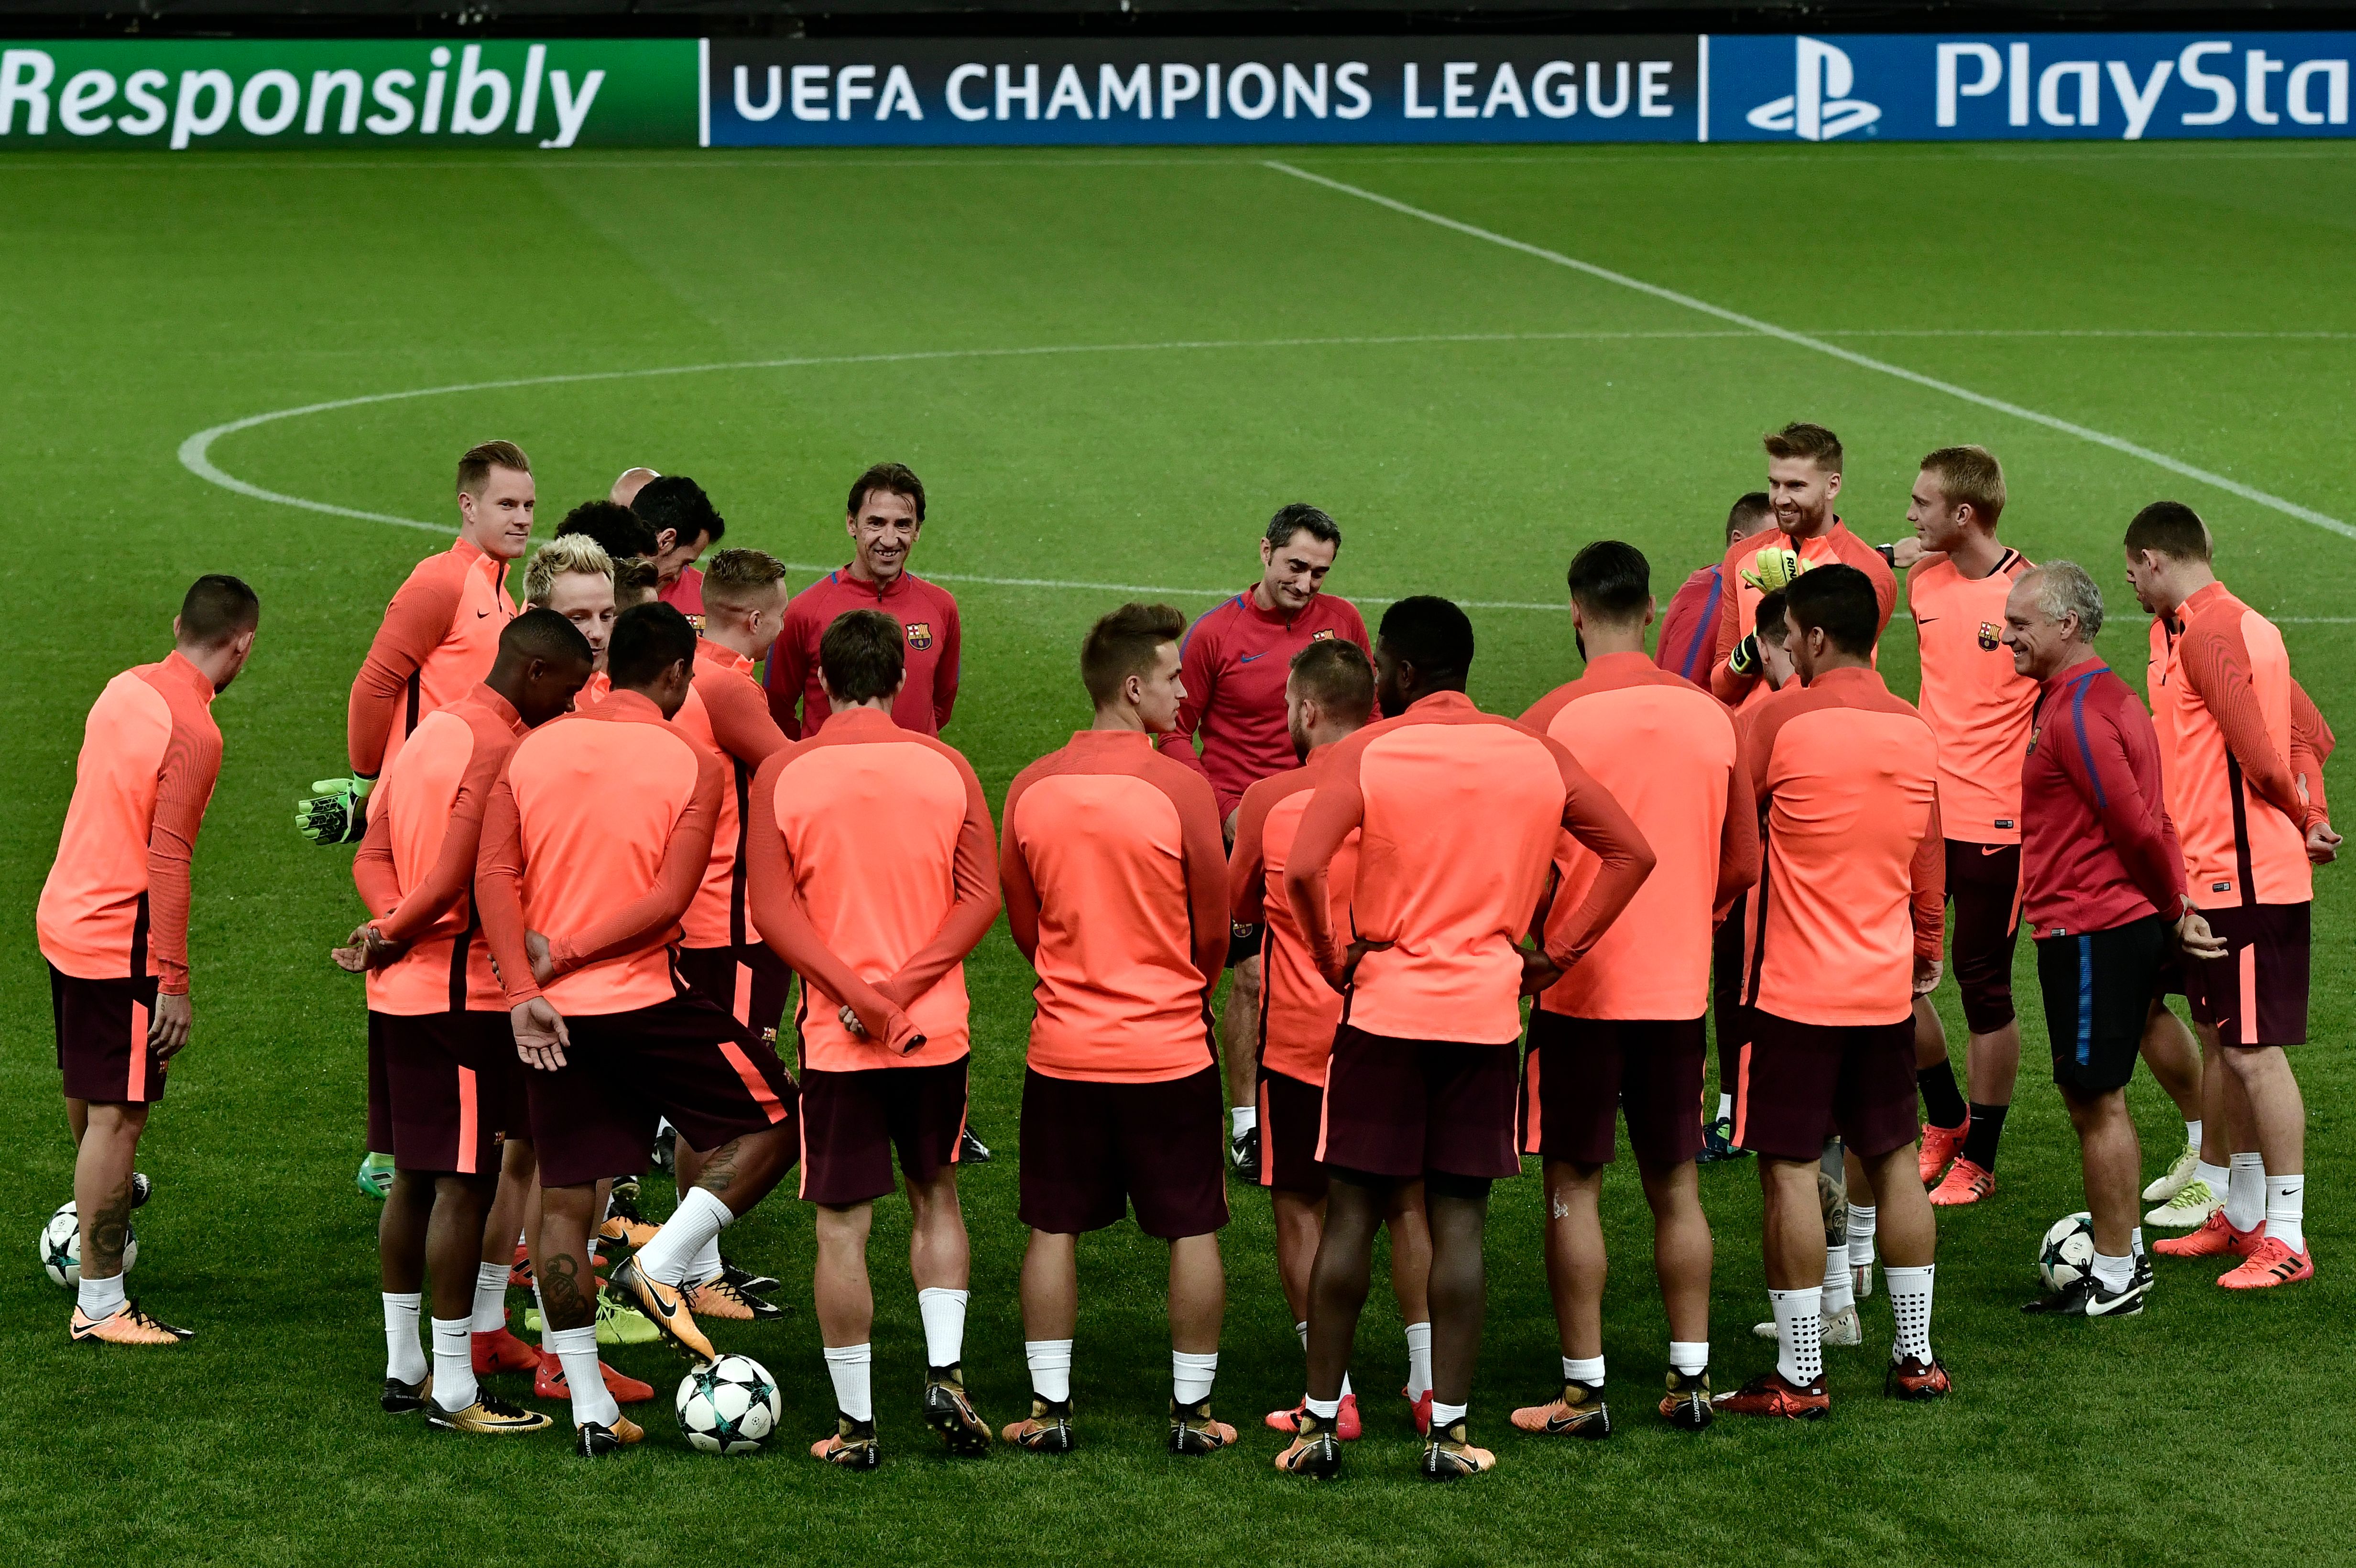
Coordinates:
(1969, 476)
(564, 554)
(737, 578)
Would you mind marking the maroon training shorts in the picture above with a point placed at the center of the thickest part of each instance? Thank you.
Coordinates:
(1580, 1071)
(750, 982)
(442, 1087)
(103, 1038)
(1419, 1107)
(683, 1059)
(1089, 1150)
(852, 1124)
(1801, 1084)
(1984, 883)
(1291, 1118)
(2256, 994)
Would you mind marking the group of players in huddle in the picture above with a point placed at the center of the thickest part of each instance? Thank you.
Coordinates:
(597, 849)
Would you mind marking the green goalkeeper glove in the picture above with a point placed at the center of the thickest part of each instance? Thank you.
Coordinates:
(337, 813)
(1773, 567)
(1745, 658)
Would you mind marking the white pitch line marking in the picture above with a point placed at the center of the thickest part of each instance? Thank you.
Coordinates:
(1802, 340)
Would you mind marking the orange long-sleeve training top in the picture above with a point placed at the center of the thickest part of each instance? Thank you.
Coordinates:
(1738, 605)
(2220, 700)
(439, 637)
(727, 714)
(1856, 884)
(596, 837)
(1977, 706)
(1668, 752)
(873, 871)
(1459, 812)
(1298, 1010)
(116, 900)
(1116, 877)
(415, 869)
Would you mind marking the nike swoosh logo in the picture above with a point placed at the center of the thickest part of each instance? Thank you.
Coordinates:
(1926, 620)
(1246, 658)
(480, 613)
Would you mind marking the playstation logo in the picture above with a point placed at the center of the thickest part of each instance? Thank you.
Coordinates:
(1820, 109)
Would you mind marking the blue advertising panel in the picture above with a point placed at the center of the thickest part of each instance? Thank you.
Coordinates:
(763, 93)
(2027, 86)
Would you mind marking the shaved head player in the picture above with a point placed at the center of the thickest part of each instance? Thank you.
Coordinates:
(1458, 812)
(113, 924)
(444, 1081)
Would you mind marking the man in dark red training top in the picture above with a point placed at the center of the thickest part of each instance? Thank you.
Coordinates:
(1689, 625)
(2102, 885)
(1235, 660)
(113, 924)
(885, 515)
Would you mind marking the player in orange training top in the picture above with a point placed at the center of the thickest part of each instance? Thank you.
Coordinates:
(2223, 704)
(444, 1081)
(1459, 813)
(894, 915)
(1851, 909)
(594, 842)
(1116, 892)
(113, 924)
(1328, 695)
(1958, 576)
(1624, 1032)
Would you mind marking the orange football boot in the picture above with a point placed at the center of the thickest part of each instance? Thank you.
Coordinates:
(2270, 1263)
(549, 1382)
(127, 1326)
(1940, 1145)
(1770, 1394)
(2216, 1238)
(1965, 1183)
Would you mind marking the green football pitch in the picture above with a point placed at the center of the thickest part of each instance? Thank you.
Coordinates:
(1110, 370)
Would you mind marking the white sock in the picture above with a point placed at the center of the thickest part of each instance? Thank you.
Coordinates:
(705, 1265)
(2287, 1211)
(1725, 1108)
(1839, 1290)
(454, 1362)
(1347, 1391)
(1910, 1304)
(699, 1218)
(542, 1307)
(1860, 1235)
(2214, 1175)
(2192, 1138)
(1303, 1330)
(852, 1368)
(1051, 1369)
(576, 1349)
(2134, 1242)
(1582, 1369)
(1444, 1416)
(490, 1298)
(1419, 1359)
(1243, 1118)
(1323, 1409)
(1191, 1376)
(2113, 1273)
(942, 1311)
(1799, 1334)
(2245, 1193)
(104, 1297)
(1691, 1357)
(404, 1358)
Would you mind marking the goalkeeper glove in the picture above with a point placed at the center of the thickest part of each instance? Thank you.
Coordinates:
(337, 813)
(1772, 568)
(1745, 658)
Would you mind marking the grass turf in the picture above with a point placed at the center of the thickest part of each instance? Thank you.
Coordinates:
(145, 299)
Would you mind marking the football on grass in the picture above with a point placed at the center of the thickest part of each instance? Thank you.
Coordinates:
(61, 1247)
(2067, 1253)
(728, 1407)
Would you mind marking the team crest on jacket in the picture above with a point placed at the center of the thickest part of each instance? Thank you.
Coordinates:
(1325, 637)
(920, 634)
(1990, 635)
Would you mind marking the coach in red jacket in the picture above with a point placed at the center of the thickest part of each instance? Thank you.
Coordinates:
(2103, 893)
